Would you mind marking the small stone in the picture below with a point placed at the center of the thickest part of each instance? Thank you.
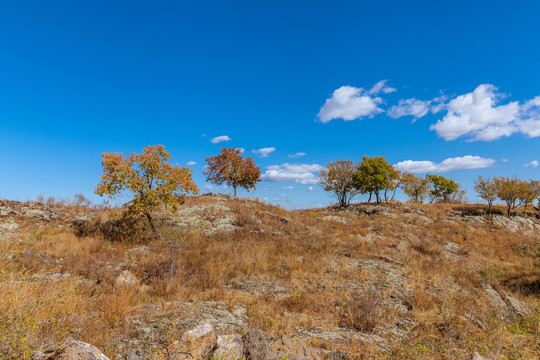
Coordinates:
(136, 354)
(194, 344)
(126, 278)
(71, 350)
(229, 347)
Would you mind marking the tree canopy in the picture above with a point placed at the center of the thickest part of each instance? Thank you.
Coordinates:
(337, 178)
(231, 168)
(372, 176)
(442, 189)
(150, 178)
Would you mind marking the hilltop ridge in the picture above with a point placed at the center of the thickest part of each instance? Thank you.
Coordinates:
(392, 281)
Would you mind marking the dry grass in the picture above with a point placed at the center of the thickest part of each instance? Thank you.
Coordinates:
(321, 265)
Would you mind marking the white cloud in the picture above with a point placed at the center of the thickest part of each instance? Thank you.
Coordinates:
(290, 187)
(264, 152)
(533, 163)
(478, 116)
(381, 86)
(350, 103)
(297, 155)
(414, 107)
(457, 163)
(530, 118)
(310, 188)
(304, 174)
(219, 139)
(417, 108)
(191, 163)
(504, 160)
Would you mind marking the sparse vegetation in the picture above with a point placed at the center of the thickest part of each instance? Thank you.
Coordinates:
(404, 282)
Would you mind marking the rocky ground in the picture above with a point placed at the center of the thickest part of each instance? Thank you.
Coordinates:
(234, 278)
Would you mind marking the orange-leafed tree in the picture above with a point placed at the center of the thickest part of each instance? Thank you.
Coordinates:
(231, 168)
(150, 178)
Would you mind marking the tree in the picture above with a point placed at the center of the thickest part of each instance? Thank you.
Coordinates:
(337, 177)
(416, 188)
(394, 181)
(528, 192)
(535, 186)
(487, 190)
(442, 189)
(508, 190)
(372, 176)
(149, 177)
(231, 168)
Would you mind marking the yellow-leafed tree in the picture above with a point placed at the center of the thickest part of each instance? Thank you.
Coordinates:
(150, 178)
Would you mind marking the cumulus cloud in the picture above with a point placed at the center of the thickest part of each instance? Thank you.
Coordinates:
(219, 139)
(290, 187)
(479, 116)
(264, 152)
(297, 155)
(304, 174)
(310, 188)
(457, 163)
(191, 163)
(350, 103)
(533, 163)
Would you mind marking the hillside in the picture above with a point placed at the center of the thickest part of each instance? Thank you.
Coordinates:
(395, 281)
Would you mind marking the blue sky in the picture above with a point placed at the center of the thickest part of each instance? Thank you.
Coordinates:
(456, 80)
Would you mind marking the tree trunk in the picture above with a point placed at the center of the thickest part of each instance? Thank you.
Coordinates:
(234, 190)
(489, 207)
(151, 222)
(369, 200)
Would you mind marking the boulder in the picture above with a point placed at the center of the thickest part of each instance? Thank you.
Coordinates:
(71, 350)
(197, 343)
(291, 347)
(229, 347)
(255, 345)
(126, 278)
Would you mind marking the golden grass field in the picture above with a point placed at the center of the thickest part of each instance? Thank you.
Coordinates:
(404, 282)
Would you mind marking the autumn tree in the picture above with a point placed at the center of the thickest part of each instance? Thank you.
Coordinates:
(487, 190)
(337, 178)
(416, 188)
(528, 192)
(394, 182)
(231, 168)
(372, 176)
(443, 189)
(508, 190)
(535, 188)
(150, 179)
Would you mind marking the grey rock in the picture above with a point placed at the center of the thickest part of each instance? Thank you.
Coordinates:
(229, 347)
(126, 278)
(136, 354)
(255, 345)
